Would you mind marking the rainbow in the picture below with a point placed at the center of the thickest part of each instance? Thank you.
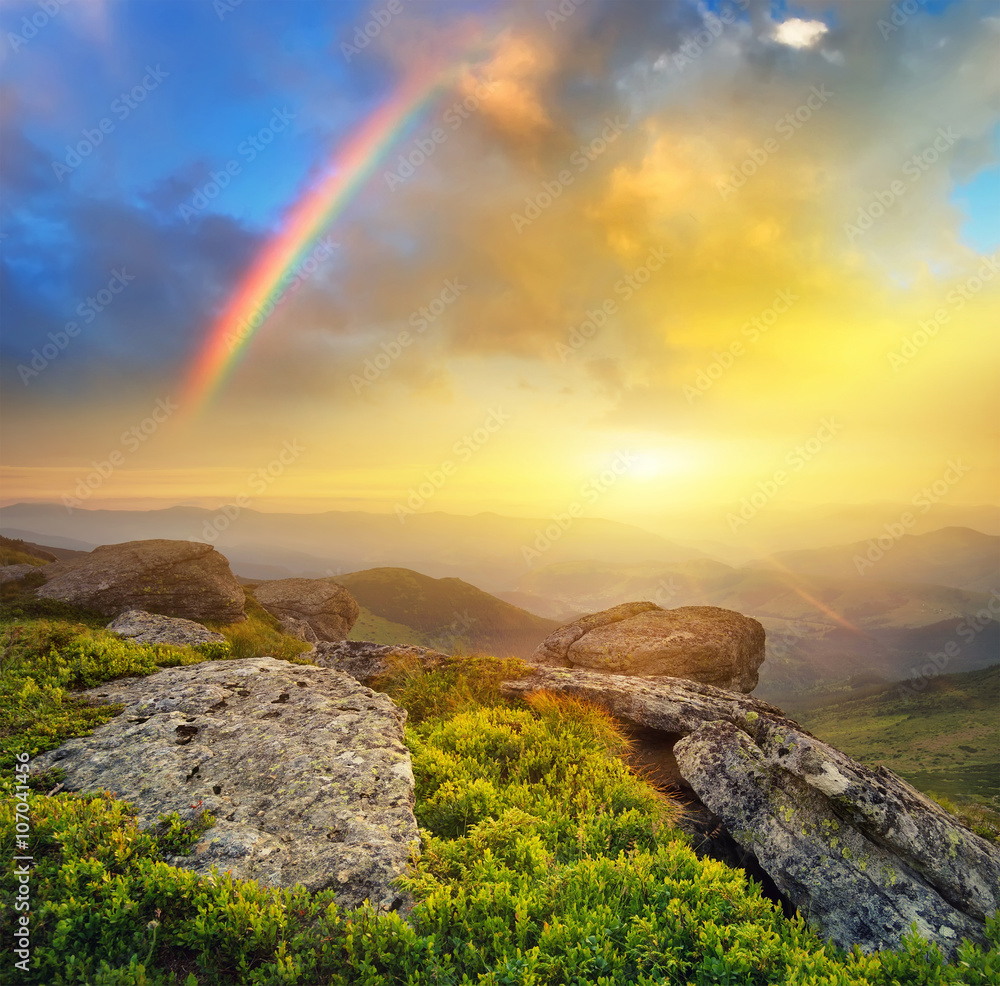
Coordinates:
(260, 289)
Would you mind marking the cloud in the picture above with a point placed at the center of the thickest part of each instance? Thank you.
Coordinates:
(797, 33)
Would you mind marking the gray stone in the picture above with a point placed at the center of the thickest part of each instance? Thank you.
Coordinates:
(304, 768)
(701, 643)
(151, 628)
(174, 578)
(366, 661)
(326, 608)
(858, 851)
(11, 573)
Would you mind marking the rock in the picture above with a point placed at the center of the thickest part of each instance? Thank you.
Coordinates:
(668, 705)
(304, 769)
(366, 661)
(858, 851)
(300, 629)
(150, 628)
(701, 643)
(174, 578)
(327, 608)
(11, 573)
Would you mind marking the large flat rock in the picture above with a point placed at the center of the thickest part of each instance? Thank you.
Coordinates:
(304, 768)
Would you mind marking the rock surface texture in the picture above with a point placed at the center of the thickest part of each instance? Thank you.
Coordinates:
(858, 851)
(701, 643)
(304, 769)
(366, 661)
(11, 573)
(150, 628)
(174, 578)
(311, 609)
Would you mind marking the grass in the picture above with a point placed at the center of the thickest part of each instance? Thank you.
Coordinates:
(260, 634)
(543, 861)
(14, 552)
(943, 738)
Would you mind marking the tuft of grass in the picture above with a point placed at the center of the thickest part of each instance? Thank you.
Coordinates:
(464, 682)
(260, 634)
(981, 818)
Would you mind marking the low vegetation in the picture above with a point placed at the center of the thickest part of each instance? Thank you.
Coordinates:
(941, 736)
(543, 860)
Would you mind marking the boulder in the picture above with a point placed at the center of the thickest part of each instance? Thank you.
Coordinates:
(326, 608)
(858, 851)
(304, 769)
(366, 661)
(150, 628)
(11, 573)
(701, 643)
(174, 578)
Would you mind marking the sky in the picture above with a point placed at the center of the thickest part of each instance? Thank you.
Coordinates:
(639, 257)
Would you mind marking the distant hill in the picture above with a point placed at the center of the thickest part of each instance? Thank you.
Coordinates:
(486, 549)
(446, 614)
(943, 737)
(955, 556)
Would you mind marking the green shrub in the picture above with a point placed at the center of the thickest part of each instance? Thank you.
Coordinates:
(543, 861)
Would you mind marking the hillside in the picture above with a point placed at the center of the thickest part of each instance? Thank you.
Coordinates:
(445, 614)
(943, 737)
(953, 556)
(486, 549)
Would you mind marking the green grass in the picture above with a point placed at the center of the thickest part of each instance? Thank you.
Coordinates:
(543, 861)
(259, 634)
(379, 630)
(944, 738)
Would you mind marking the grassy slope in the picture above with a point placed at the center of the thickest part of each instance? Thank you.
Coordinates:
(452, 615)
(13, 552)
(543, 861)
(944, 738)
